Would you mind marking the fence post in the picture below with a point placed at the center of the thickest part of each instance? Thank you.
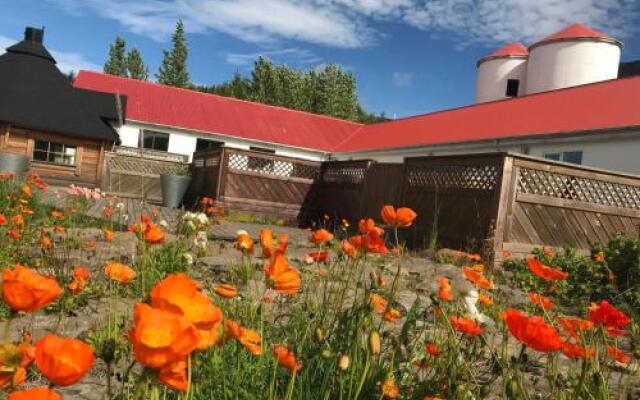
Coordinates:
(503, 198)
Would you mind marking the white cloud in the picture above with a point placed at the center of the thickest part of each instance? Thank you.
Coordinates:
(291, 56)
(402, 79)
(66, 61)
(350, 23)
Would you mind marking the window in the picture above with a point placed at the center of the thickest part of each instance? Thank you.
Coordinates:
(155, 140)
(552, 156)
(512, 87)
(573, 157)
(204, 144)
(54, 152)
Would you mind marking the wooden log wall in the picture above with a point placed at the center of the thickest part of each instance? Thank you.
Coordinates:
(89, 156)
(560, 205)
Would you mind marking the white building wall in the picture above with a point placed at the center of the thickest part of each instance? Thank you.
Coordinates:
(616, 151)
(493, 75)
(557, 65)
(184, 142)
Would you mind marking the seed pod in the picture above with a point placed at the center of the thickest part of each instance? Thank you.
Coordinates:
(319, 334)
(344, 362)
(108, 351)
(512, 389)
(374, 343)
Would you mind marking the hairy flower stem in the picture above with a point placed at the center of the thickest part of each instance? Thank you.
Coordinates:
(363, 377)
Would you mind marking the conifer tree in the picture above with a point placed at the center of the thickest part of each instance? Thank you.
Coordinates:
(136, 68)
(117, 62)
(173, 70)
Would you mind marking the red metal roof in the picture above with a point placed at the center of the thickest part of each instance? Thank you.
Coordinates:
(187, 109)
(603, 105)
(576, 31)
(512, 49)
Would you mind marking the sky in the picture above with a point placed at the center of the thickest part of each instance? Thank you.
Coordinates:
(409, 56)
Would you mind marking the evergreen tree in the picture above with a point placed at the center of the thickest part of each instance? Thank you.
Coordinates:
(135, 66)
(173, 70)
(117, 62)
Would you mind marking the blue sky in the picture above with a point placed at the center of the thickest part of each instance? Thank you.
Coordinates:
(409, 56)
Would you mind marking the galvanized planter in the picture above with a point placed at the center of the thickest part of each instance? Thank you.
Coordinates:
(14, 163)
(173, 189)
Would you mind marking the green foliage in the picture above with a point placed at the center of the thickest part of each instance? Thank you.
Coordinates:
(622, 255)
(329, 91)
(136, 67)
(157, 262)
(173, 70)
(117, 62)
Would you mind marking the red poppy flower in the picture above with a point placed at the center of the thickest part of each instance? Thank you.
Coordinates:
(545, 272)
(318, 256)
(445, 289)
(40, 393)
(372, 242)
(286, 358)
(466, 326)
(63, 361)
(402, 217)
(618, 354)
(533, 332)
(3, 220)
(432, 349)
(477, 278)
(574, 350)
(542, 301)
(321, 236)
(607, 315)
(348, 248)
(574, 326)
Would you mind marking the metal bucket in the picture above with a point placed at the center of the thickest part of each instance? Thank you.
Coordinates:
(15, 163)
(173, 189)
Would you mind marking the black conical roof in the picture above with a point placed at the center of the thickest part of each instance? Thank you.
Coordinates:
(35, 94)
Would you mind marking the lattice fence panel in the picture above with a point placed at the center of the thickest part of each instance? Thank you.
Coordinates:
(137, 165)
(577, 188)
(271, 166)
(474, 177)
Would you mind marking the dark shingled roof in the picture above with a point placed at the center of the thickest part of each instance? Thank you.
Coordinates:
(35, 94)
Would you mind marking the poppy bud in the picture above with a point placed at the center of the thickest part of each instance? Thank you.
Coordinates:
(512, 389)
(374, 343)
(108, 351)
(326, 353)
(319, 335)
(374, 279)
(344, 362)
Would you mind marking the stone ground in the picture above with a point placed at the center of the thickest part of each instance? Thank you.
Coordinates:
(419, 279)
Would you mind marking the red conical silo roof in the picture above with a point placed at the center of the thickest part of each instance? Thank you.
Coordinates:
(577, 31)
(515, 50)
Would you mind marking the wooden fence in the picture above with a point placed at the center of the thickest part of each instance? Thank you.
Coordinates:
(488, 202)
(256, 182)
(135, 173)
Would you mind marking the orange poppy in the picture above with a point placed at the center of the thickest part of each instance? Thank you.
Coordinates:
(575, 350)
(574, 326)
(45, 240)
(542, 301)
(161, 337)
(63, 361)
(432, 349)
(485, 300)
(108, 235)
(286, 358)
(14, 359)
(321, 236)
(227, 291)
(174, 375)
(545, 272)
(152, 233)
(618, 354)
(79, 280)
(445, 289)
(91, 244)
(35, 180)
(474, 257)
(372, 242)
(3, 220)
(17, 220)
(349, 249)
(366, 225)
(402, 217)
(181, 294)
(390, 389)
(392, 315)
(282, 277)
(268, 243)
(378, 303)
(119, 272)
(40, 393)
(26, 191)
(14, 234)
(56, 214)
(59, 229)
(607, 315)
(477, 278)
(506, 254)
(250, 339)
(244, 243)
(466, 326)
(599, 256)
(23, 289)
(533, 332)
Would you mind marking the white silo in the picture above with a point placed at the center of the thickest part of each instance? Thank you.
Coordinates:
(502, 73)
(576, 55)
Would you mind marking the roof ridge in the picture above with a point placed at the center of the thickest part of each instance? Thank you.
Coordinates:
(220, 96)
